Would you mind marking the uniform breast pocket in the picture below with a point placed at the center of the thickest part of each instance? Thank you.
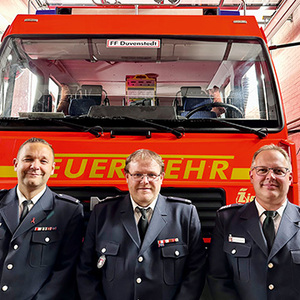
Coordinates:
(239, 256)
(174, 258)
(112, 264)
(44, 247)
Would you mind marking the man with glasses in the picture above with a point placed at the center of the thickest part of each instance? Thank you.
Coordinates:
(255, 249)
(143, 245)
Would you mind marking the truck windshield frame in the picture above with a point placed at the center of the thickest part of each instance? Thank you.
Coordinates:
(176, 81)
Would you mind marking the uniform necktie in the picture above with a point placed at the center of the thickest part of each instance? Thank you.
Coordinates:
(268, 227)
(25, 210)
(143, 223)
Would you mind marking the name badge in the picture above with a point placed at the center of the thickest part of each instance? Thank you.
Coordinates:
(235, 239)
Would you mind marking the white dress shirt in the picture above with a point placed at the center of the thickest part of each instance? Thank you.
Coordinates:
(22, 198)
(137, 213)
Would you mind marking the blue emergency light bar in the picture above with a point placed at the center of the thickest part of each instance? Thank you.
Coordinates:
(46, 12)
(56, 11)
(229, 12)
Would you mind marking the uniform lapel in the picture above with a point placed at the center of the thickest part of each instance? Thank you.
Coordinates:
(38, 213)
(157, 223)
(289, 226)
(251, 224)
(9, 210)
(127, 218)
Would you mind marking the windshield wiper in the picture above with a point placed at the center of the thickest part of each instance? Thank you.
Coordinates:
(58, 118)
(177, 133)
(97, 131)
(261, 133)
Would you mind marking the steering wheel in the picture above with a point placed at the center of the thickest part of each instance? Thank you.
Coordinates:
(215, 104)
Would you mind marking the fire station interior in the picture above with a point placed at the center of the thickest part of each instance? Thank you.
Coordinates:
(184, 80)
(77, 79)
(183, 83)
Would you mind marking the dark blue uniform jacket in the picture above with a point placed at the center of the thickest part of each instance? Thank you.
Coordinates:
(240, 266)
(38, 257)
(176, 270)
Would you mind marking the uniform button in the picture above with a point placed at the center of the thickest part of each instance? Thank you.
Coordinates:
(16, 247)
(233, 251)
(271, 287)
(270, 265)
(47, 239)
(141, 258)
(4, 288)
(103, 250)
(177, 253)
(138, 280)
(10, 266)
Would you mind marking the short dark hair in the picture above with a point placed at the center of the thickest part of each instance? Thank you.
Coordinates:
(273, 147)
(144, 154)
(36, 140)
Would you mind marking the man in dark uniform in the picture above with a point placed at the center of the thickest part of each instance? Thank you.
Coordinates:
(143, 245)
(255, 249)
(40, 231)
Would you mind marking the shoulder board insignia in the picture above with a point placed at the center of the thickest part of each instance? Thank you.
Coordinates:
(68, 198)
(177, 199)
(110, 198)
(95, 200)
(235, 205)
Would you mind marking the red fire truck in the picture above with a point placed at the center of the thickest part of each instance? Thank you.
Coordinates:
(199, 90)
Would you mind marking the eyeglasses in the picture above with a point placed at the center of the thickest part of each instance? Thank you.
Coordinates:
(278, 171)
(139, 176)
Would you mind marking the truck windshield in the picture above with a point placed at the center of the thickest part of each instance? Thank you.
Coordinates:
(185, 82)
